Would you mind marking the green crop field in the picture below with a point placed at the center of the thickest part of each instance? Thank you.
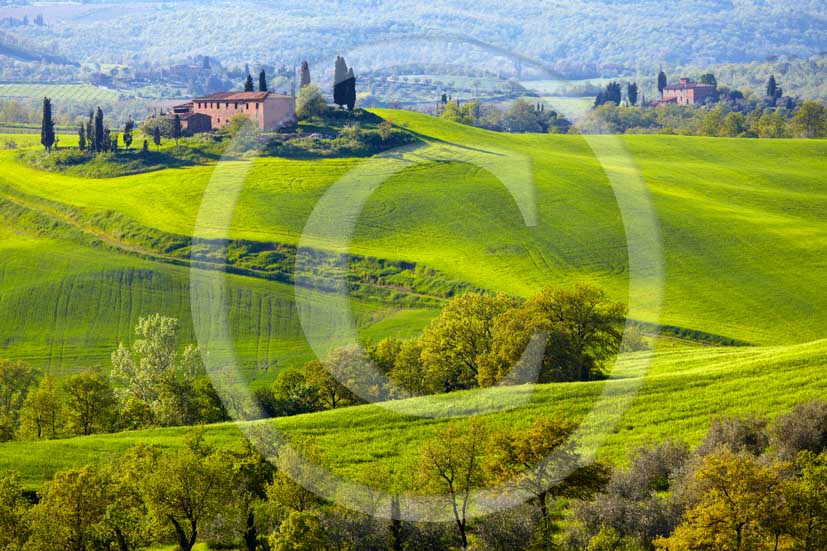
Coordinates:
(684, 389)
(744, 222)
(79, 92)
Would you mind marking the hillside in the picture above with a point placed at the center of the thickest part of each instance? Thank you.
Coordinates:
(685, 388)
(587, 33)
(744, 226)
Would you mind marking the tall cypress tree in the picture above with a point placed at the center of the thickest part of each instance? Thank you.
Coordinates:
(82, 138)
(340, 85)
(350, 90)
(305, 74)
(47, 126)
(631, 93)
(176, 128)
(99, 132)
(662, 82)
(772, 87)
(90, 132)
(262, 81)
(248, 84)
(127, 132)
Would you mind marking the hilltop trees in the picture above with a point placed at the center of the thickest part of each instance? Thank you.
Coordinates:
(47, 126)
(344, 85)
(249, 86)
(262, 81)
(310, 103)
(662, 82)
(708, 78)
(772, 87)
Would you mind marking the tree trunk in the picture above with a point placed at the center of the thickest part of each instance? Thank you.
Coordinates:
(122, 544)
(184, 542)
(396, 524)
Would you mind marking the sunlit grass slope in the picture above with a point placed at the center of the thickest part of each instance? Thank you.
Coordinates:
(65, 306)
(744, 221)
(685, 388)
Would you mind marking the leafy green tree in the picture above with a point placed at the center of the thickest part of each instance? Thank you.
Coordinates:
(188, 489)
(451, 463)
(569, 334)
(152, 368)
(16, 379)
(713, 122)
(310, 103)
(454, 342)
(70, 512)
(90, 402)
(811, 120)
(251, 475)
(284, 490)
(662, 82)
(14, 509)
(521, 117)
(408, 375)
(249, 86)
(808, 499)
(126, 516)
(294, 394)
(741, 499)
(735, 124)
(301, 531)
(128, 129)
(708, 78)
(534, 459)
(332, 393)
(40, 416)
(47, 126)
(772, 125)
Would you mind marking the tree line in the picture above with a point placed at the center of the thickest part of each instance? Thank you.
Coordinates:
(750, 485)
(477, 340)
(152, 383)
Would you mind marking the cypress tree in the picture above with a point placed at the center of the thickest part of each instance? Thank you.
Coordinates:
(90, 132)
(127, 132)
(305, 74)
(340, 85)
(350, 90)
(146, 146)
(262, 81)
(99, 131)
(662, 82)
(47, 127)
(156, 136)
(631, 93)
(772, 87)
(248, 84)
(176, 128)
(82, 138)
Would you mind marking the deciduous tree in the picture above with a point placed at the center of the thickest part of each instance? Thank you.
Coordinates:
(90, 402)
(40, 416)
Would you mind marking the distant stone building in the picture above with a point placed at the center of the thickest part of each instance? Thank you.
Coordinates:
(688, 92)
(191, 123)
(270, 111)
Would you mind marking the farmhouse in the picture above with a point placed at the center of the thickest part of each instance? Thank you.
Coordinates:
(192, 123)
(688, 92)
(268, 110)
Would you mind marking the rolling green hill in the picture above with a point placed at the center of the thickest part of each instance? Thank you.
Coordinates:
(744, 226)
(684, 389)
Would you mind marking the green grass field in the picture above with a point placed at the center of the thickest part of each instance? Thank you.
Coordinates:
(686, 387)
(744, 222)
(57, 92)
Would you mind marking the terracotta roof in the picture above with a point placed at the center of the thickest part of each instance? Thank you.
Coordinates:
(185, 116)
(238, 96)
(689, 85)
